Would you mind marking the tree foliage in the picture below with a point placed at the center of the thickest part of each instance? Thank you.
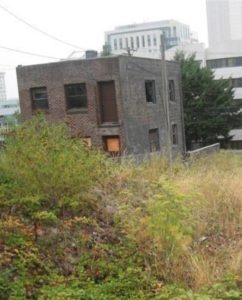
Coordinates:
(209, 109)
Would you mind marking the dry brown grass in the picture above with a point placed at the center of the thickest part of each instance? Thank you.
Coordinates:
(212, 188)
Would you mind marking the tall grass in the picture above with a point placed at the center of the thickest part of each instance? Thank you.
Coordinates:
(186, 219)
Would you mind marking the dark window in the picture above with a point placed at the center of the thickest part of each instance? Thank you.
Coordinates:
(143, 41)
(174, 134)
(76, 96)
(174, 31)
(225, 62)
(112, 144)
(115, 44)
(172, 96)
(121, 43)
(154, 40)
(132, 42)
(127, 43)
(107, 97)
(237, 82)
(137, 42)
(148, 40)
(150, 91)
(39, 98)
(154, 140)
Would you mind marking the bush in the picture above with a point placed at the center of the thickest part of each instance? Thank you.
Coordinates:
(47, 174)
(74, 225)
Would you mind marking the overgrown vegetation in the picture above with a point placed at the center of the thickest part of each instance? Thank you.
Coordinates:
(75, 225)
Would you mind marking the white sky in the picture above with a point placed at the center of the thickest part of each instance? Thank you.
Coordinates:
(82, 23)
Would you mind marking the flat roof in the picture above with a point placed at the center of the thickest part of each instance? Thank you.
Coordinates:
(152, 23)
(93, 59)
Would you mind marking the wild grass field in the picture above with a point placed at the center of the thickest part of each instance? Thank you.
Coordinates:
(76, 225)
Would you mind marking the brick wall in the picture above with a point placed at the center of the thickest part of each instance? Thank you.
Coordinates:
(54, 76)
(140, 116)
(136, 116)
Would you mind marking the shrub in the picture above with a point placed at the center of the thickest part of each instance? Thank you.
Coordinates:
(46, 173)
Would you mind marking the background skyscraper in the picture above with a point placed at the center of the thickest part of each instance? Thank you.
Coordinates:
(224, 22)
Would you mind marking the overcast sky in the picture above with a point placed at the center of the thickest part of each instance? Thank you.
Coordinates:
(83, 23)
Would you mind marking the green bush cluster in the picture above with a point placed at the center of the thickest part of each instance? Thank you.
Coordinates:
(75, 225)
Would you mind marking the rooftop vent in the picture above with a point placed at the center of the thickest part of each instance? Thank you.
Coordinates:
(91, 54)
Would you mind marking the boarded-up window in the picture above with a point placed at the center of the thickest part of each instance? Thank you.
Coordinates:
(39, 98)
(174, 134)
(87, 141)
(150, 91)
(107, 97)
(112, 144)
(76, 96)
(154, 140)
(172, 96)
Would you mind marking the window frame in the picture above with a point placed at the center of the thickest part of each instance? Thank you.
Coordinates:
(33, 100)
(132, 42)
(154, 40)
(137, 42)
(143, 41)
(67, 98)
(126, 42)
(175, 140)
(152, 81)
(115, 44)
(120, 43)
(172, 90)
(155, 145)
(105, 144)
(104, 114)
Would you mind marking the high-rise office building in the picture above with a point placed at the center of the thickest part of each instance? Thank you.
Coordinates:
(145, 38)
(224, 54)
(224, 22)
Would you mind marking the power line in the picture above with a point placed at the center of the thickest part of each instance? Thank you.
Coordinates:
(38, 29)
(28, 53)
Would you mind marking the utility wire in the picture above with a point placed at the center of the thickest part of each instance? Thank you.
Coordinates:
(28, 53)
(38, 29)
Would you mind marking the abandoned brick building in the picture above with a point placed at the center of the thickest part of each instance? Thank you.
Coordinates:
(112, 102)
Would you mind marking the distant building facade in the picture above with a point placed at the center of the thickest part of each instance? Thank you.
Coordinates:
(224, 54)
(144, 39)
(2, 87)
(9, 111)
(115, 103)
(224, 19)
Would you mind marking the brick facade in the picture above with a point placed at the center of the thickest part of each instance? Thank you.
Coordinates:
(136, 116)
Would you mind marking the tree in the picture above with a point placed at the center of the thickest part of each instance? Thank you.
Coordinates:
(106, 50)
(210, 111)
